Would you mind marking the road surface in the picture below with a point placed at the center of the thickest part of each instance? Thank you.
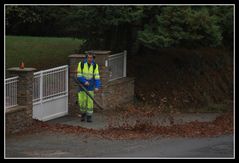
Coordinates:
(55, 145)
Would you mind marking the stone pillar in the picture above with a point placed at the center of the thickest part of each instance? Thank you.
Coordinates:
(24, 90)
(102, 60)
(74, 59)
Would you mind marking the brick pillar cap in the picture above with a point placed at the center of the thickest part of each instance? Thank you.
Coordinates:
(99, 52)
(26, 69)
(76, 55)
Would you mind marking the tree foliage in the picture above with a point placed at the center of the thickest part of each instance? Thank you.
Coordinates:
(126, 27)
(181, 26)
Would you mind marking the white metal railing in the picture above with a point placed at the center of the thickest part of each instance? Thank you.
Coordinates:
(11, 92)
(117, 65)
(51, 83)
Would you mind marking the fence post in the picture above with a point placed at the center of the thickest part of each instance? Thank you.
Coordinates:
(125, 62)
(25, 89)
(66, 85)
(41, 86)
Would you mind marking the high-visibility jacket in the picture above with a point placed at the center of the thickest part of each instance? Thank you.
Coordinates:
(88, 74)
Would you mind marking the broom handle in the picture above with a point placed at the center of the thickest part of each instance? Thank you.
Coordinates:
(84, 89)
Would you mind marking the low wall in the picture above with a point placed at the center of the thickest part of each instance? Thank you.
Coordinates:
(17, 119)
(118, 92)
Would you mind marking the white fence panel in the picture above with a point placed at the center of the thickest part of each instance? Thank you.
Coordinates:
(11, 92)
(117, 65)
(50, 93)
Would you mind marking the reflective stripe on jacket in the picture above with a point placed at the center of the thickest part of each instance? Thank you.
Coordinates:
(88, 75)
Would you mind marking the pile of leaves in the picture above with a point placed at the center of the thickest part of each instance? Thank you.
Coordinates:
(140, 130)
(144, 128)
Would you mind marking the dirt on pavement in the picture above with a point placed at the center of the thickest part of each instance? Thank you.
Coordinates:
(223, 124)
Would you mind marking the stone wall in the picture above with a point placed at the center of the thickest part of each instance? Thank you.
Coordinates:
(118, 92)
(17, 119)
(20, 117)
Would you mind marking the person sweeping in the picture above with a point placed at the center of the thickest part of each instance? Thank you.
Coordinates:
(88, 75)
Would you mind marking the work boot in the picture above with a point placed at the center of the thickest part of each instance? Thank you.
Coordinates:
(89, 118)
(83, 117)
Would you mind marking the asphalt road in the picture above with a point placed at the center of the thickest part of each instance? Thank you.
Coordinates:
(55, 145)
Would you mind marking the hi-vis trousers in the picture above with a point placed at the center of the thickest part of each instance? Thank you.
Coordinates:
(85, 103)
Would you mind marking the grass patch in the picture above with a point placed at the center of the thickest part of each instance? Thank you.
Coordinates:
(39, 52)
